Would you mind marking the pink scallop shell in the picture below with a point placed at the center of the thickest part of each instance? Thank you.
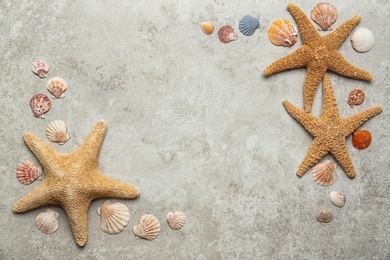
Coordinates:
(226, 34)
(40, 104)
(40, 68)
(27, 172)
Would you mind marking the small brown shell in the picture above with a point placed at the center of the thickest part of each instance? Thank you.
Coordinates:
(338, 199)
(324, 14)
(148, 227)
(113, 217)
(226, 34)
(356, 97)
(324, 215)
(40, 68)
(207, 27)
(57, 87)
(361, 139)
(40, 104)
(47, 221)
(324, 173)
(57, 132)
(283, 33)
(176, 220)
(27, 172)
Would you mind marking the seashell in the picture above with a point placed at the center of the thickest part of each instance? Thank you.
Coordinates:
(40, 68)
(148, 227)
(338, 199)
(226, 34)
(324, 173)
(207, 27)
(40, 104)
(176, 220)
(57, 87)
(248, 25)
(324, 14)
(324, 215)
(56, 132)
(362, 39)
(356, 97)
(47, 221)
(361, 139)
(27, 172)
(113, 217)
(283, 33)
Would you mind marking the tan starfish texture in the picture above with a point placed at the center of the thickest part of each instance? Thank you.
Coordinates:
(73, 181)
(318, 54)
(329, 131)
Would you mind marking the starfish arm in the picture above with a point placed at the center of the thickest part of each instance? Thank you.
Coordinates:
(341, 154)
(314, 154)
(77, 213)
(337, 63)
(338, 36)
(308, 121)
(307, 30)
(352, 122)
(313, 78)
(40, 196)
(104, 186)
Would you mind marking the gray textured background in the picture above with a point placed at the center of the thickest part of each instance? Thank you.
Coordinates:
(195, 125)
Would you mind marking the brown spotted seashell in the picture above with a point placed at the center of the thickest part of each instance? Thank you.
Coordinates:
(40, 68)
(47, 221)
(148, 227)
(226, 34)
(324, 215)
(324, 173)
(176, 220)
(283, 33)
(361, 139)
(113, 217)
(27, 172)
(40, 104)
(356, 97)
(338, 199)
(324, 14)
(57, 87)
(57, 132)
(207, 27)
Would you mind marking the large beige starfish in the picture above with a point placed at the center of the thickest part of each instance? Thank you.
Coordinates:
(329, 131)
(318, 54)
(73, 181)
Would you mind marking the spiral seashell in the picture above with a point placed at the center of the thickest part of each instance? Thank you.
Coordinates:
(113, 217)
(324, 215)
(338, 199)
(148, 227)
(324, 173)
(283, 33)
(362, 39)
(40, 104)
(361, 139)
(57, 87)
(207, 27)
(324, 14)
(27, 172)
(248, 25)
(226, 34)
(47, 221)
(57, 132)
(356, 97)
(40, 68)
(176, 220)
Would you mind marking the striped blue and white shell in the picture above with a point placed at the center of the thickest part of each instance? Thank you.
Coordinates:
(248, 25)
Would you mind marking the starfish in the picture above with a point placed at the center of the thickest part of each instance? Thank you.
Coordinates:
(73, 181)
(329, 131)
(318, 54)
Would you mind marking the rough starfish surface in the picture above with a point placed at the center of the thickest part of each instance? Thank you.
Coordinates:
(318, 54)
(329, 131)
(73, 181)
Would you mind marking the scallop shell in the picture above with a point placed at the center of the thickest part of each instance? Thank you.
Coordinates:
(324, 173)
(324, 215)
(56, 132)
(27, 172)
(47, 221)
(176, 220)
(40, 68)
(207, 27)
(113, 217)
(338, 199)
(248, 25)
(40, 104)
(361, 139)
(362, 39)
(226, 34)
(147, 228)
(324, 14)
(283, 33)
(356, 97)
(57, 87)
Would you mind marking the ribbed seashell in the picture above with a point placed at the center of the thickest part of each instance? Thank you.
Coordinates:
(324, 215)
(248, 25)
(40, 104)
(361, 139)
(338, 199)
(356, 97)
(362, 39)
(176, 220)
(47, 221)
(27, 172)
(207, 27)
(324, 173)
(148, 227)
(57, 132)
(283, 33)
(324, 14)
(113, 217)
(226, 34)
(40, 68)
(57, 87)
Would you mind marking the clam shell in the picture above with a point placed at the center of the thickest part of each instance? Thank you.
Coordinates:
(113, 217)
(324, 173)
(362, 39)
(27, 172)
(324, 14)
(40, 68)
(324, 215)
(57, 132)
(47, 221)
(356, 97)
(226, 34)
(283, 33)
(361, 139)
(207, 27)
(338, 199)
(40, 104)
(57, 87)
(148, 227)
(248, 25)
(176, 220)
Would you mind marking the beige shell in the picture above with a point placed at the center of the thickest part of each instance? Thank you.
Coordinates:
(324, 14)
(57, 87)
(40, 68)
(40, 104)
(324, 173)
(362, 39)
(47, 221)
(148, 227)
(113, 217)
(338, 199)
(57, 132)
(324, 215)
(176, 220)
(27, 172)
(283, 33)
(207, 27)
(226, 34)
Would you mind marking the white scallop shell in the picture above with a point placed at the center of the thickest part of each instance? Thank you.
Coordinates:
(113, 217)
(176, 220)
(148, 227)
(57, 87)
(338, 199)
(324, 173)
(57, 132)
(47, 221)
(27, 172)
(362, 39)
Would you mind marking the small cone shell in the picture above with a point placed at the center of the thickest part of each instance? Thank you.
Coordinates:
(148, 227)
(47, 221)
(113, 217)
(176, 220)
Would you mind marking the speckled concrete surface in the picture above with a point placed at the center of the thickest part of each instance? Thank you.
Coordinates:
(195, 125)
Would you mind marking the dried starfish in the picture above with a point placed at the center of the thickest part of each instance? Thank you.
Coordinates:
(329, 131)
(318, 54)
(73, 181)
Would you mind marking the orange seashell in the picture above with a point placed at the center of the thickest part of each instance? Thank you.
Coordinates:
(356, 97)
(324, 173)
(361, 139)
(40, 104)
(324, 14)
(226, 34)
(207, 27)
(40, 68)
(27, 172)
(283, 33)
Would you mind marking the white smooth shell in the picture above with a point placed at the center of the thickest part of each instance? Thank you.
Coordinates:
(362, 39)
